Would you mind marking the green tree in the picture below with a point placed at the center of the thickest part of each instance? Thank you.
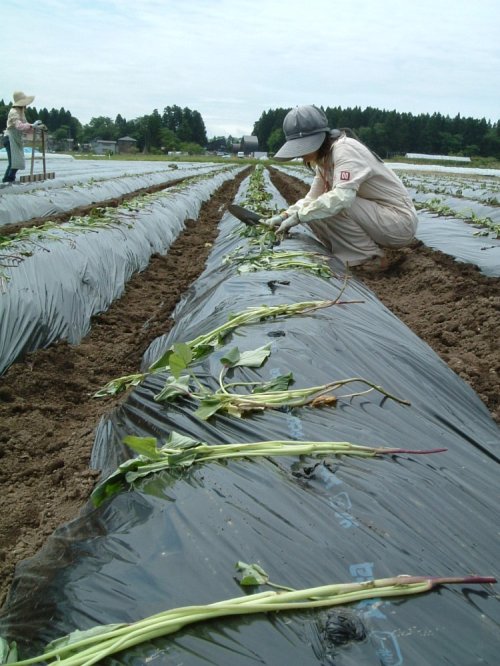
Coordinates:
(121, 126)
(449, 144)
(172, 118)
(4, 112)
(275, 140)
(192, 148)
(100, 127)
(154, 127)
(490, 143)
(60, 138)
(268, 123)
(169, 140)
(184, 130)
(75, 129)
(198, 129)
(217, 143)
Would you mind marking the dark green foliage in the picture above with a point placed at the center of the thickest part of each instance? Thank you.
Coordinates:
(388, 133)
(175, 129)
(391, 133)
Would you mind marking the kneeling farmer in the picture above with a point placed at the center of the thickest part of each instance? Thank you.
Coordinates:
(356, 205)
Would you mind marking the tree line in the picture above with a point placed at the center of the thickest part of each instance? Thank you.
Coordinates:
(388, 133)
(174, 129)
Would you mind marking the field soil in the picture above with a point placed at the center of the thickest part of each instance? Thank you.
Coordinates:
(49, 417)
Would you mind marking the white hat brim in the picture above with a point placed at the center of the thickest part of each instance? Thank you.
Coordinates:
(24, 101)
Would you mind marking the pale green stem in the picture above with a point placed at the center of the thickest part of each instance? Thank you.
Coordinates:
(171, 621)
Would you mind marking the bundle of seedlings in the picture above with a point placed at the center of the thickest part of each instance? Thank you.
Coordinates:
(83, 648)
(283, 260)
(273, 394)
(206, 343)
(180, 452)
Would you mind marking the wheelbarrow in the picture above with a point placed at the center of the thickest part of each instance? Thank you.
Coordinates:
(33, 177)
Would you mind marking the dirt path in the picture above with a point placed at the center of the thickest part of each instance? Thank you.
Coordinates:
(48, 415)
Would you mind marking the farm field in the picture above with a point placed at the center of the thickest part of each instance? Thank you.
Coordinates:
(50, 417)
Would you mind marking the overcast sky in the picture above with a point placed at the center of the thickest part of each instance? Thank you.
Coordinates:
(233, 59)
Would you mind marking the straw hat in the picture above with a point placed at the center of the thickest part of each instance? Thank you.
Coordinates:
(20, 99)
(305, 129)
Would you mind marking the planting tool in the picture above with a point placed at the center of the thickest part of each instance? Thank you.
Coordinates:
(33, 177)
(244, 214)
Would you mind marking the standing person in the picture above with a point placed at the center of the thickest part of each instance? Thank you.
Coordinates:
(356, 205)
(13, 135)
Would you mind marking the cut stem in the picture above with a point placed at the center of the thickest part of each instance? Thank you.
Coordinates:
(93, 649)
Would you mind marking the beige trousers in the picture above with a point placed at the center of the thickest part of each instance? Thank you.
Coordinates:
(362, 230)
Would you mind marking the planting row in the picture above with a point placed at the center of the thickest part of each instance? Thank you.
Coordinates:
(82, 183)
(56, 277)
(485, 190)
(288, 430)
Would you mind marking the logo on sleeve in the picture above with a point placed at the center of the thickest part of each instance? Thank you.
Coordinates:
(345, 175)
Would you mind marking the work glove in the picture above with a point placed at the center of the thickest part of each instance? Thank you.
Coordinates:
(273, 221)
(288, 223)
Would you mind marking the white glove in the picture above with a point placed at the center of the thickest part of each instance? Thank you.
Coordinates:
(273, 221)
(288, 223)
(37, 123)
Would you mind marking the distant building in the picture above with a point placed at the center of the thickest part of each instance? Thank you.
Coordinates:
(59, 145)
(440, 158)
(126, 144)
(249, 145)
(102, 147)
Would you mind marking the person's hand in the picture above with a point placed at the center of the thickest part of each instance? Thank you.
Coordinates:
(273, 221)
(37, 123)
(288, 223)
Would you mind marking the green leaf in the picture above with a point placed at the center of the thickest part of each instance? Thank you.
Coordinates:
(8, 651)
(184, 350)
(173, 388)
(254, 358)
(208, 407)
(184, 458)
(221, 337)
(251, 574)
(203, 350)
(134, 474)
(231, 358)
(178, 441)
(121, 384)
(111, 486)
(121, 478)
(280, 383)
(180, 358)
(163, 361)
(145, 446)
